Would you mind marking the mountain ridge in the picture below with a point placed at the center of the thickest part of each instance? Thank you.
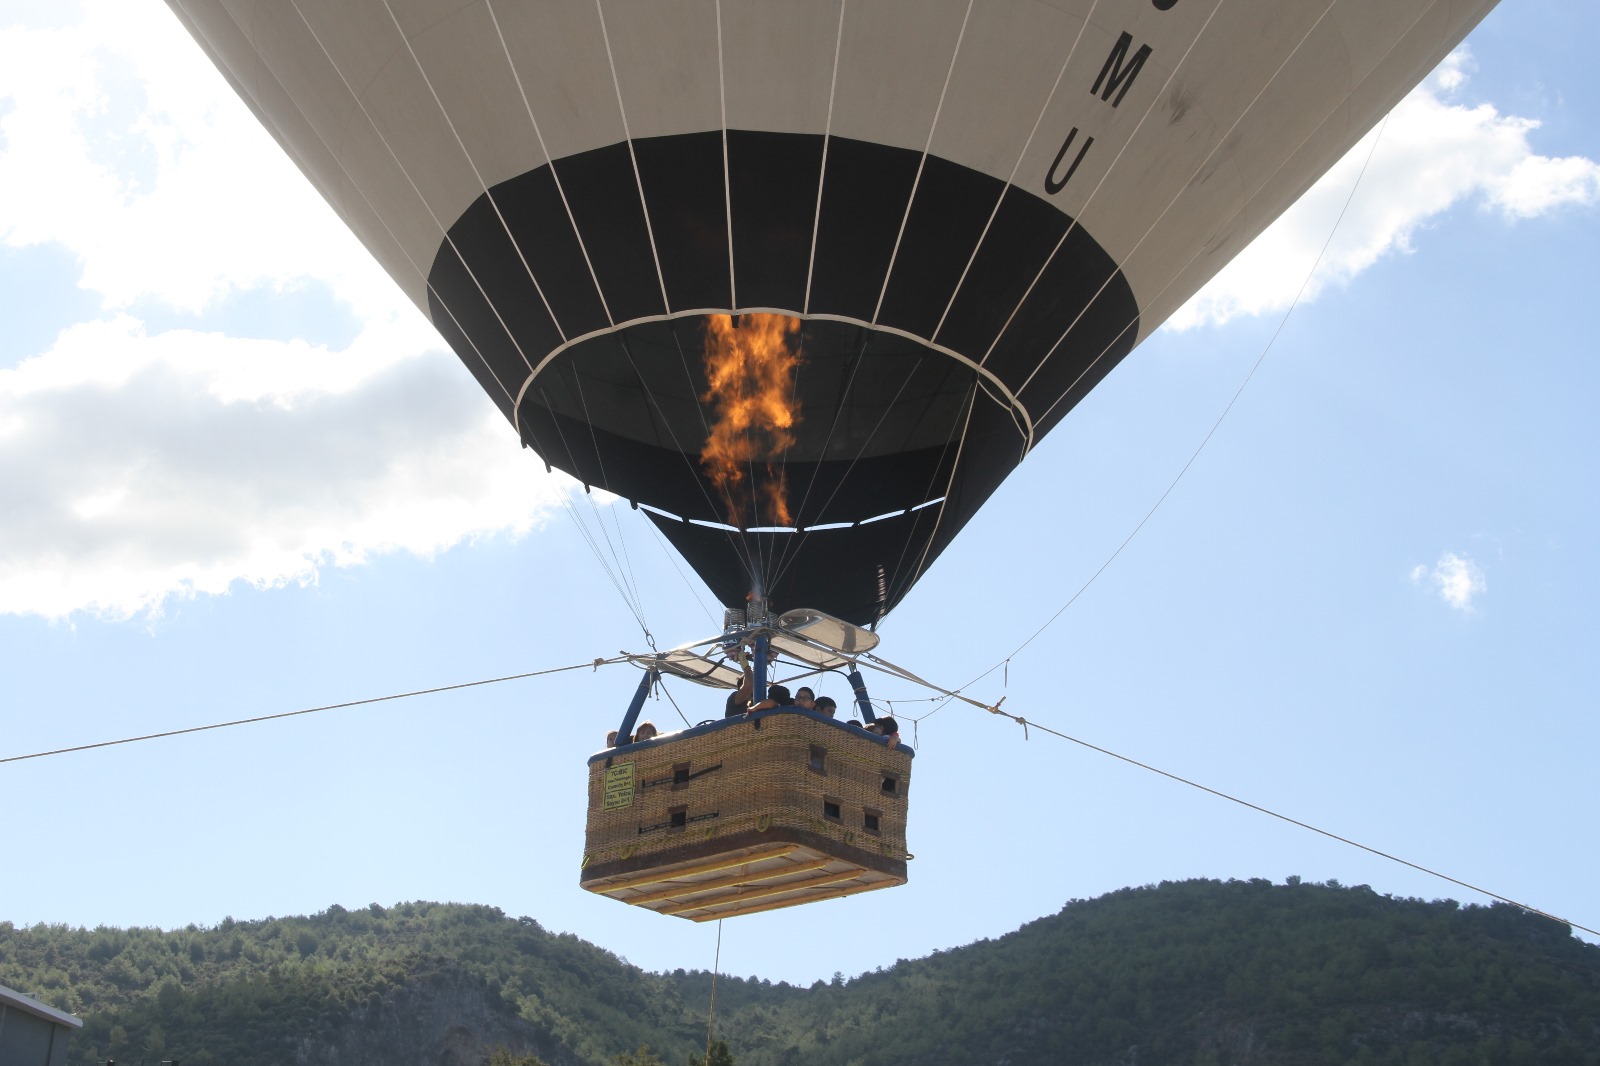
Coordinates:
(1200, 971)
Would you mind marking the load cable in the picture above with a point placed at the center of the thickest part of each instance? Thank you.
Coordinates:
(898, 671)
(593, 665)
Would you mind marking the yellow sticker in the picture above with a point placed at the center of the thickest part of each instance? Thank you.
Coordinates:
(619, 787)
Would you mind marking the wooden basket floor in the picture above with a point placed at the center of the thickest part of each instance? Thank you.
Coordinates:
(744, 880)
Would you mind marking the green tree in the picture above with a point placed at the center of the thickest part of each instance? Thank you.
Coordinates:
(506, 1057)
(716, 1055)
(643, 1057)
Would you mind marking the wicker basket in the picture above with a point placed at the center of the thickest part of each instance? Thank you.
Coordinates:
(767, 810)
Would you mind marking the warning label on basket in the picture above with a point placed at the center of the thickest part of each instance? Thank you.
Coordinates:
(619, 787)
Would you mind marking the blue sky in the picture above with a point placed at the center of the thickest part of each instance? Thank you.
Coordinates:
(240, 476)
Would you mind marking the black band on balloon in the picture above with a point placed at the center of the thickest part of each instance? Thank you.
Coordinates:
(882, 416)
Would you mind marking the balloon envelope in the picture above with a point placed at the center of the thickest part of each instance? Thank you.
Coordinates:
(959, 215)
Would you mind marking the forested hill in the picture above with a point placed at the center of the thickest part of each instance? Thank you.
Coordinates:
(1190, 972)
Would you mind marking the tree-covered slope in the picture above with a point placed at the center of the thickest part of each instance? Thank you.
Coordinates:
(1206, 972)
(287, 990)
(1190, 972)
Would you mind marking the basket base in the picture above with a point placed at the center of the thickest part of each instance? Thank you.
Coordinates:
(724, 879)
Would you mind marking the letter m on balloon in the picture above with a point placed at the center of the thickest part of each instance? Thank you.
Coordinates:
(1119, 71)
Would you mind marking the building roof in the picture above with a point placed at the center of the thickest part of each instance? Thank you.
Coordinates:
(10, 997)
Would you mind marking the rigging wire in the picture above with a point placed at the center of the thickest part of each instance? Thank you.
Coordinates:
(886, 667)
(637, 603)
(672, 558)
(738, 545)
(626, 583)
(626, 587)
(619, 580)
(939, 513)
(594, 665)
(662, 688)
(1234, 399)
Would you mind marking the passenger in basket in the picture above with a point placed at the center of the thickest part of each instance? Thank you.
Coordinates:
(875, 726)
(648, 731)
(804, 698)
(739, 698)
(826, 705)
(611, 739)
(890, 730)
(777, 696)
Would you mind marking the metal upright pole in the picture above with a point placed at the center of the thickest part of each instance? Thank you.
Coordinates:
(758, 691)
(863, 704)
(625, 730)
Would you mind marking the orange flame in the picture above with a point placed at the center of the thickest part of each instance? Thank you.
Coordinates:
(750, 370)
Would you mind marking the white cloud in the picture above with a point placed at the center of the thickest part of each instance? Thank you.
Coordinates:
(121, 142)
(1455, 578)
(1433, 155)
(138, 465)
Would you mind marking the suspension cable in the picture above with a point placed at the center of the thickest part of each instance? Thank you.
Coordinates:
(594, 665)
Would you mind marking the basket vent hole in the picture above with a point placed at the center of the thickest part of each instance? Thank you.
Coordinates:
(680, 817)
(830, 808)
(891, 784)
(819, 759)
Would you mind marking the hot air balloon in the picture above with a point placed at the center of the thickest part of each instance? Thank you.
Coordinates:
(804, 280)
(807, 280)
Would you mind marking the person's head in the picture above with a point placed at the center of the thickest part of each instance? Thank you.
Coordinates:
(780, 695)
(804, 697)
(826, 705)
(611, 739)
(875, 727)
(888, 727)
(646, 731)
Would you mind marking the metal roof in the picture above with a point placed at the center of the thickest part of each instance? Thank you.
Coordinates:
(10, 997)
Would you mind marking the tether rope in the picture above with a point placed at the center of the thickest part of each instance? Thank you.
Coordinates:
(711, 1015)
(592, 665)
(883, 666)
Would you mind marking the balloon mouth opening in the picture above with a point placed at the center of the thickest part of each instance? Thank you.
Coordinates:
(876, 441)
(758, 422)
(820, 527)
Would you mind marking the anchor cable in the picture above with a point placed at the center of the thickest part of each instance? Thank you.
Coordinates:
(897, 671)
(594, 665)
